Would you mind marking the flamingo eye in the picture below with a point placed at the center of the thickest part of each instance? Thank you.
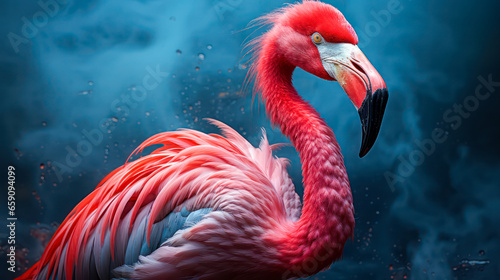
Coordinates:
(317, 39)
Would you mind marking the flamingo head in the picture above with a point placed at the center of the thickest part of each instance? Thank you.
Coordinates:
(316, 37)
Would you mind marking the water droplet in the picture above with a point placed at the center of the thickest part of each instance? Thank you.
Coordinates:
(209, 47)
(178, 52)
(201, 56)
(197, 68)
(42, 166)
(91, 83)
(84, 92)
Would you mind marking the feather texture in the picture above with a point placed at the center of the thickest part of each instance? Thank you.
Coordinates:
(194, 181)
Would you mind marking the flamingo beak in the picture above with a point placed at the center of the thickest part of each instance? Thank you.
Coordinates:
(362, 83)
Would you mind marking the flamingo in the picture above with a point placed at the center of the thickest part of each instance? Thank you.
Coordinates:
(206, 206)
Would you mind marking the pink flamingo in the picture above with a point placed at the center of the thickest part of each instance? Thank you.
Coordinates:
(213, 207)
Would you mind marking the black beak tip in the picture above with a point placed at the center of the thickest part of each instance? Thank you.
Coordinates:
(371, 113)
(363, 152)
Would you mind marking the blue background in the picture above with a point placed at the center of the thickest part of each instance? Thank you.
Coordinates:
(70, 70)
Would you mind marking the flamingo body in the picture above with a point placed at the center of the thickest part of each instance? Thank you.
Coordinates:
(225, 182)
(212, 207)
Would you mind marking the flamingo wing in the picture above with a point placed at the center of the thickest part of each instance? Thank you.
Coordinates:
(194, 198)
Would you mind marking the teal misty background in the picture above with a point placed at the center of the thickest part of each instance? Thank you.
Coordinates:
(84, 82)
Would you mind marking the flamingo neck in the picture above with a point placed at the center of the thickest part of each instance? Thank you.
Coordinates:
(327, 219)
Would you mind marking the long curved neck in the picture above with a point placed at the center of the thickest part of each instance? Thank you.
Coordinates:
(327, 219)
